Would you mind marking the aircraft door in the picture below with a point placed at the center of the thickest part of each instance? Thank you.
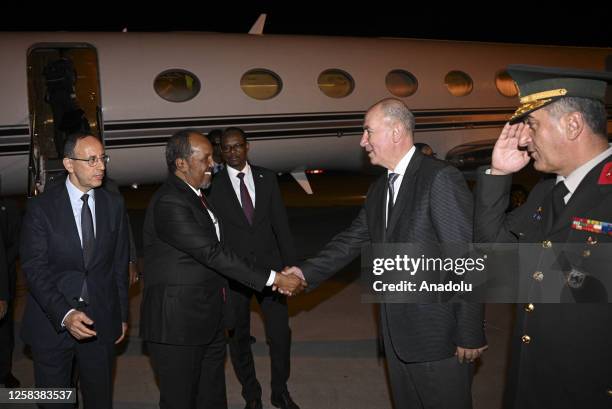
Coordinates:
(64, 97)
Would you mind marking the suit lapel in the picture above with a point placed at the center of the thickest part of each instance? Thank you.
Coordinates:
(67, 226)
(102, 217)
(190, 196)
(403, 203)
(262, 187)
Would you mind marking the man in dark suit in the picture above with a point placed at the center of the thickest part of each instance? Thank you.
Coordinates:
(214, 136)
(248, 200)
(185, 291)
(10, 224)
(429, 347)
(74, 253)
(562, 352)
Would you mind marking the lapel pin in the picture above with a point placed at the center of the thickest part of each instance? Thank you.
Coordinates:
(538, 214)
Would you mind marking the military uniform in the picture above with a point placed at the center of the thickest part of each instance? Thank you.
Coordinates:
(561, 353)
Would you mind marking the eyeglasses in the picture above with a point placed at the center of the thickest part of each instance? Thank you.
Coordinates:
(93, 160)
(228, 148)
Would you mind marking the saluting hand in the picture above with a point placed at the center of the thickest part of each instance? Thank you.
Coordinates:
(507, 158)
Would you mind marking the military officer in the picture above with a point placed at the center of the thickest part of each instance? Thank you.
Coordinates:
(562, 351)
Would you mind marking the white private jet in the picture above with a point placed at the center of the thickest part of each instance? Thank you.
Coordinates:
(300, 99)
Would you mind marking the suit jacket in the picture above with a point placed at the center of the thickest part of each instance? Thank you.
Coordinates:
(567, 362)
(268, 242)
(186, 268)
(10, 224)
(52, 260)
(433, 205)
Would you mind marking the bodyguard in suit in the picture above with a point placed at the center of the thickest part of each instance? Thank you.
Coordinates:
(562, 354)
(248, 200)
(10, 225)
(185, 284)
(74, 253)
(430, 348)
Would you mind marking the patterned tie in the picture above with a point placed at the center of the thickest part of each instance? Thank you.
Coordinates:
(391, 194)
(558, 193)
(89, 240)
(245, 198)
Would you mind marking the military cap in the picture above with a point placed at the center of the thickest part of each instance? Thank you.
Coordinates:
(539, 86)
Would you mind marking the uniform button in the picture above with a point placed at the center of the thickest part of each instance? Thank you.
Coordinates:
(526, 339)
(586, 253)
(538, 276)
(529, 307)
(609, 391)
(547, 244)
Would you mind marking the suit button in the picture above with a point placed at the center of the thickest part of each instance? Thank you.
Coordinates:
(547, 244)
(529, 307)
(526, 339)
(609, 392)
(538, 276)
(586, 253)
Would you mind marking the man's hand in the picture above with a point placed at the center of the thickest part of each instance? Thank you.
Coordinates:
(295, 271)
(133, 271)
(3, 308)
(288, 284)
(124, 328)
(469, 355)
(76, 322)
(507, 158)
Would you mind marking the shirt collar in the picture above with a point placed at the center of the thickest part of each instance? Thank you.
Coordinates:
(573, 179)
(233, 173)
(198, 192)
(74, 193)
(401, 167)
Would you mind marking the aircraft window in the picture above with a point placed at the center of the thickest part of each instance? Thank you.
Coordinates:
(261, 84)
(505, 85)
(401, 83)
(177, 85)
(458, 83)
(335, 83)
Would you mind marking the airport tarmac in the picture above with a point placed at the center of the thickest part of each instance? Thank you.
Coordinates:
(335, 361)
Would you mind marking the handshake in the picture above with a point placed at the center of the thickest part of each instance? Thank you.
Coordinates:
(290, 281)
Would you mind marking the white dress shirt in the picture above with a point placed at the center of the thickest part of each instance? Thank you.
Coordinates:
(248, 181)
(400, 169)
(77, 205)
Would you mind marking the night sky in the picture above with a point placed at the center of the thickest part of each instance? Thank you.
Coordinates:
(457, 22)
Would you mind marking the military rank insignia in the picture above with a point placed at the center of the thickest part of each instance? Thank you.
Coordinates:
(605, 178)
(593, 226)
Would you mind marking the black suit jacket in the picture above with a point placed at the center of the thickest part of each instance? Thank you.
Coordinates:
(52, 260)
(567, 363)
(10, 224)
(266, 243)
(186, 268)
(433, 205)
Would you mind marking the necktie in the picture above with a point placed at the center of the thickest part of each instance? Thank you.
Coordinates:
(245, 198)
(87, 232)
(391, 194)
(207, 207)
(558, 193)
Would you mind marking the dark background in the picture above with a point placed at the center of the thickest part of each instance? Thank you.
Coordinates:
(579, 24)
